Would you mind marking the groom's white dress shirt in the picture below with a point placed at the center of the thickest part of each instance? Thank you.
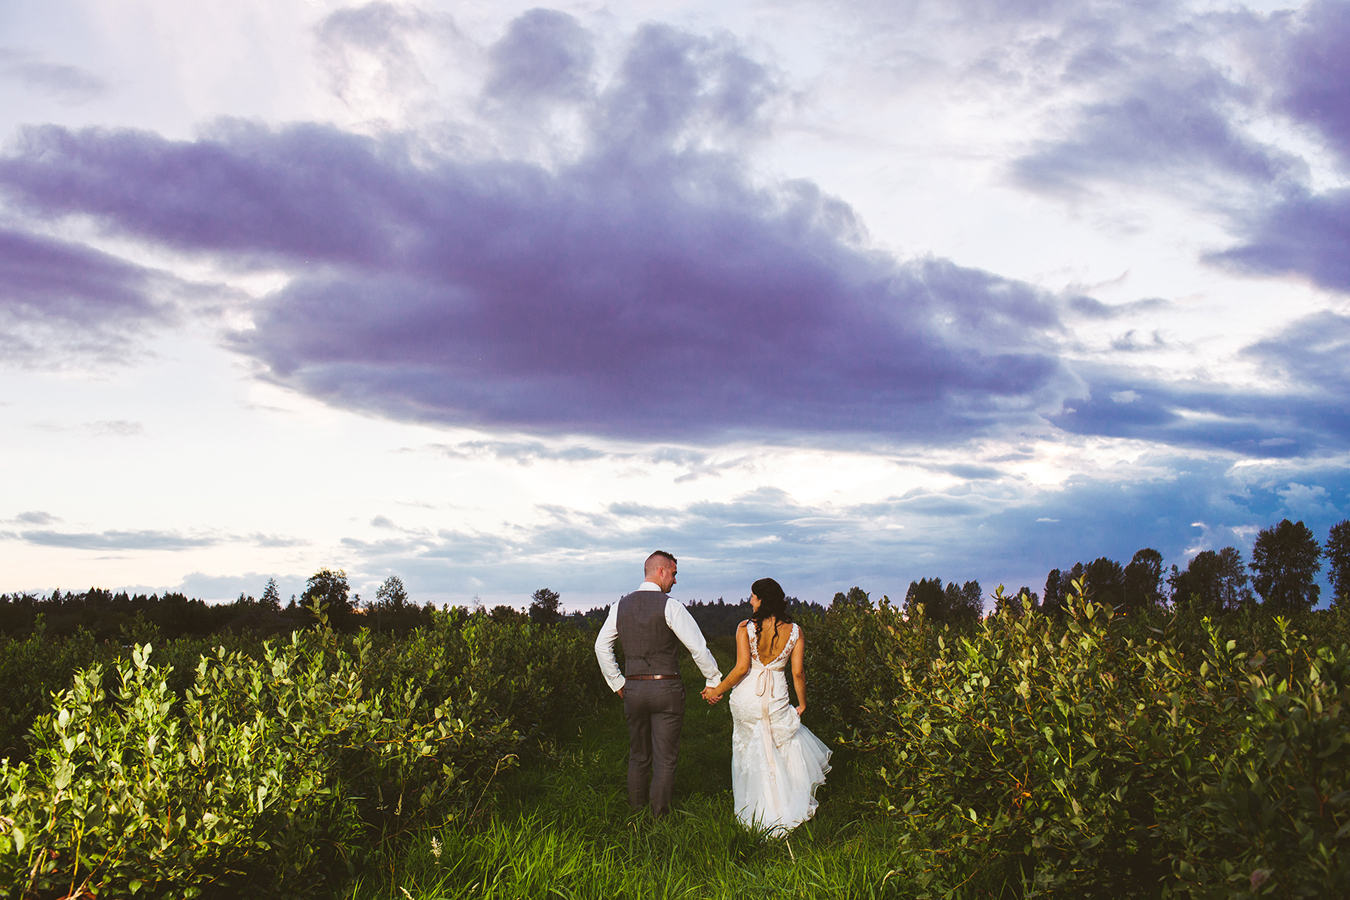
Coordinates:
(680, 622)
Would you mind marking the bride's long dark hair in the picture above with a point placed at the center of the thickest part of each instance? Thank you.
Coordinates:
(772, 602)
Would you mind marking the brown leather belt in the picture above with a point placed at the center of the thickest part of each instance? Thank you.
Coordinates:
(648, 677)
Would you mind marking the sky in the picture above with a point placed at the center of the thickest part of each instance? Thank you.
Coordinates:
(497, 297)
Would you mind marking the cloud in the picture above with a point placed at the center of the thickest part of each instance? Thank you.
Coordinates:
(1313, 352)
(1304, 231)
(1091, 308)
(1171, 128)
(1282, 422)
(59, 298)
(545, 55)
(116, 428)
(973, 472)
(1303, 411)
(1311, 60)
(1129, 342)
(1308, 500)
(36, 517)
(66, 83)
(365, 45)
(522, 452)
(271, 540)
(646, 289)
(1304, 234)
(1179, 118)
(118, 540)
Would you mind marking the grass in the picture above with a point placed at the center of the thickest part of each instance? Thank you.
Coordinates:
(565, 830)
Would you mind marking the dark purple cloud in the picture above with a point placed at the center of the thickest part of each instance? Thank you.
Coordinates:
(647, 288)
(58, 298)
(1171, 127)
(1305, 232)
(1313, 70)
(41, 278)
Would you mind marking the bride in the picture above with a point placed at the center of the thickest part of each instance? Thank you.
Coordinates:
(776, 763)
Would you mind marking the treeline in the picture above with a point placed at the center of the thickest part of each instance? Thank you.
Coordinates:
(1286, 559)
(129, 618)
(715, 618)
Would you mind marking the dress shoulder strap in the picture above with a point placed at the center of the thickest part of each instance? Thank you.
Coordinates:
(793, 633)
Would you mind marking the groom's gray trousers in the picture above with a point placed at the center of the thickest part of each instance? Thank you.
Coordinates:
(655, 714)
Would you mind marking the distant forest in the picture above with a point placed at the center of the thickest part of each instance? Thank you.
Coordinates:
(1281, 576)
(131, 618)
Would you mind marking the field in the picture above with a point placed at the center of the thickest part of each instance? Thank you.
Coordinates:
(563, 828)
(1077, 755)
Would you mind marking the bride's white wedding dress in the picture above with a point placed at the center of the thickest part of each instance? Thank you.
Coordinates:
(776, 762)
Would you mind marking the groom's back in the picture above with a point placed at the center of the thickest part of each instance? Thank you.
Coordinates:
(649, 646)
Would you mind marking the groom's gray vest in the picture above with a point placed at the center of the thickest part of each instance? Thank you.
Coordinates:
(649, 646)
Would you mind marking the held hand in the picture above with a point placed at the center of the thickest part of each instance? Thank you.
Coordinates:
(620, 693)
(801, 710)
(711, 695)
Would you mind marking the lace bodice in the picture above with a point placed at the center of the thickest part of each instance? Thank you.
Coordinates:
(778, 662)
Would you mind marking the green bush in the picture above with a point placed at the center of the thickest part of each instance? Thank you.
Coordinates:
(1069, 758)
(32, 669)
(278, 768)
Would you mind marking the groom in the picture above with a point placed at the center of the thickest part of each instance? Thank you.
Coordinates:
(650, 626)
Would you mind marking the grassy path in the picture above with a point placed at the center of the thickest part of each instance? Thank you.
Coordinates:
(565, 830)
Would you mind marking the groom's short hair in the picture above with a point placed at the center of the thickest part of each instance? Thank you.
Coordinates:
(658, 560)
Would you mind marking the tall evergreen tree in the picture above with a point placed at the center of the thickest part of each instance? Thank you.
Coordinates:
(271, 597)
(1285, 559)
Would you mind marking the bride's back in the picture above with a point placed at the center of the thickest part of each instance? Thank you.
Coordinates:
(771, 637)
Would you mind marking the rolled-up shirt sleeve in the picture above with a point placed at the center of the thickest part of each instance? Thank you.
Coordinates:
(687, 630)
(604, 648)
